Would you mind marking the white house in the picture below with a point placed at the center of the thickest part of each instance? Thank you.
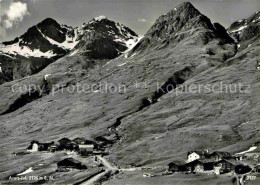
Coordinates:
(195, 155)
(86, 147)
(34, 147)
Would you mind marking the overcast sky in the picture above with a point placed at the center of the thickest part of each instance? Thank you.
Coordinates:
(16, 16)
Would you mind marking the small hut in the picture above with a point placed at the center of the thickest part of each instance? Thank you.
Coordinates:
(69, 164)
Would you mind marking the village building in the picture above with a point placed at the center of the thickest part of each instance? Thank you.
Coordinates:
(53, 148)
(195, 166)
(242, 169)
(36, 146)
(64, 142)
(89, 142)
(87, 148)
(173, 167)
(195, 155)
(217, 156)
(177, 167)
(200, 166)
(69, 164)
(238, 157)
(257, 168)
(79, 140)
(183, 168)
(226, 165)
(67, 144)
(208, 164)
(102, 141)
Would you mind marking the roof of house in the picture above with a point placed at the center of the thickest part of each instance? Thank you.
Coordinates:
(86, 146)
(231, 161)
(89, 142)
(201, 161)
(222, 154)
(79, 139)
(46, 144)
(69, 161)
(178, 163)
(64, 140)
(194, 162)
(35, 141)
(101, 138)
(199, 152)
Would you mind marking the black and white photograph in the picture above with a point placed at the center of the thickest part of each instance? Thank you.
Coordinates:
(129, 92)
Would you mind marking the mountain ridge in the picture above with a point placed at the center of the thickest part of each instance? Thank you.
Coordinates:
(179, 23)
(48, 41)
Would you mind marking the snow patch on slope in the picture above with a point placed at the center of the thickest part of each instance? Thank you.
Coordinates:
(249, 150)
(131, 45)
(15, 49)
(99, 18)
(26, 171)
(239, 29)
(74, 52)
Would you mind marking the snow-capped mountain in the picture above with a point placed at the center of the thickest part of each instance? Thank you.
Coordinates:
(245, 31)
(48, 41)
(101, 33)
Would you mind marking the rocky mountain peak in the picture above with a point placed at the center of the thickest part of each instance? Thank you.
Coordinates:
(187, 8)
(183, 17)
(102, 38)
(100, 18)
(48, 22)
(46, 39)
(105, 27)
(39, 46)
(53, 30)
(178, 24)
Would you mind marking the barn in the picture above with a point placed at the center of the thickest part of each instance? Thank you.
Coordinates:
(257, 168)
(217, 156)
(69, 164)
(195, 166)
(37, 146)
(79, 140)
(227, 165)
(173, 167)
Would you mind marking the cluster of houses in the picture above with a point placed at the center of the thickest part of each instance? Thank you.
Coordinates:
(80, 145)
(197, 161)
(216, 163)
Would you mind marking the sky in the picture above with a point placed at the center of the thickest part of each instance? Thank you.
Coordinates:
(16, 16)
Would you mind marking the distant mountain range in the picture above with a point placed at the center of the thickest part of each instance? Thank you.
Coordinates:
(48, 41)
